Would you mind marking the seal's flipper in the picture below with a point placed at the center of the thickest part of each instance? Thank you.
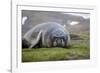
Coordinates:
(35, 41)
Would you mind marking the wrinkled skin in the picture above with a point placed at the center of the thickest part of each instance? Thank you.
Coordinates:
(49, 34)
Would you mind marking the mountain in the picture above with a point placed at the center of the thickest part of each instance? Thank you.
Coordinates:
(37, 17)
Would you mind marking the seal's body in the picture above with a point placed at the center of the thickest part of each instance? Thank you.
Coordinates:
(50, 34)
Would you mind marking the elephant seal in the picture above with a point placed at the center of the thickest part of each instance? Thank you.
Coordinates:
(49, 34)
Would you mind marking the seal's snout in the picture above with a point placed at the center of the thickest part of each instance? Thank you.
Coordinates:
(58, 42)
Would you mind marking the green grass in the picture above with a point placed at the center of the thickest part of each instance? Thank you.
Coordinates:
(82, 35)
(75, 52)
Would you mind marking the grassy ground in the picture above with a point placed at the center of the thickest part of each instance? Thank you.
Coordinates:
(79, 50)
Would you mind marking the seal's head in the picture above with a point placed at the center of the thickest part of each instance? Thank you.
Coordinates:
(59, 38)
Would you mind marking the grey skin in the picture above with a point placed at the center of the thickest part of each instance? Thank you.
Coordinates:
(50, 34)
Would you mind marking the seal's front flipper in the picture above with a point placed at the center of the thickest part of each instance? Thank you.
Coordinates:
(36, 40)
